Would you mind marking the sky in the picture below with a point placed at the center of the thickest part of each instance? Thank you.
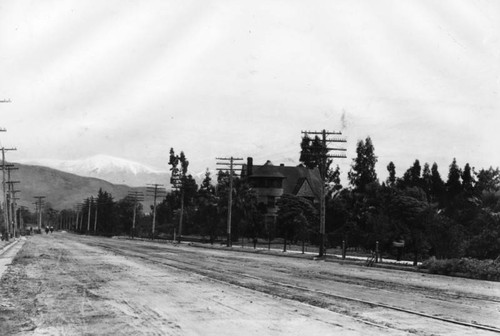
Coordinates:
(133, 79)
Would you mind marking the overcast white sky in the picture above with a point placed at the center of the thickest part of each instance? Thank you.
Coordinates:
(133, 78)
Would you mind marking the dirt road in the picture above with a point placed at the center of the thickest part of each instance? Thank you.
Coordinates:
(64, 284)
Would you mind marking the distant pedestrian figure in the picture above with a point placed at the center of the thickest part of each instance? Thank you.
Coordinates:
(47, 230)
(51, 229)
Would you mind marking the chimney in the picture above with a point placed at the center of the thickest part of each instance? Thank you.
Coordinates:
(282, 164)
(249, 166)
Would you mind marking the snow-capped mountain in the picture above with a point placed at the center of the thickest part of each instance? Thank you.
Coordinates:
(109, 168)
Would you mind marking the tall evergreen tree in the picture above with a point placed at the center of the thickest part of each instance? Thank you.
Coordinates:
(427, 181)
(437, 185)
(453, 185)
(411, 177)
(467, 179)
(363, 167)
(391, 179)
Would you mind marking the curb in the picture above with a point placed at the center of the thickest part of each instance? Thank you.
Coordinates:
(8, 246)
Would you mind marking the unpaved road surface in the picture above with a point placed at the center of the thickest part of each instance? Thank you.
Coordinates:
(65, 284)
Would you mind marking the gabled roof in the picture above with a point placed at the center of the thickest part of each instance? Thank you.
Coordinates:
(267, 170)
(294, 177)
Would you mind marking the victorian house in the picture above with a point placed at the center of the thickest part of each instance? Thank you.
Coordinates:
(270, 182)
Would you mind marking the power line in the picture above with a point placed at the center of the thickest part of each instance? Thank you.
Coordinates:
(230, 163)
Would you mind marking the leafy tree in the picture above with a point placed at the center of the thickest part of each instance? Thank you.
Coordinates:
(446, 237)
(488, 180)
(412, 214)
(184, 183)
(333, 182)
(207, 208)
(363, 168)
(313, 152)
(485, 241)
(106, 214)
(249, 216)
(295, 217)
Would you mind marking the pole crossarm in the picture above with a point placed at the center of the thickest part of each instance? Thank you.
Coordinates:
(323, 155)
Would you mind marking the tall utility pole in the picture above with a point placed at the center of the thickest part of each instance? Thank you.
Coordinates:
(178, 184)
(324, 163)
(78, 226)
(21, 220)
(39, 207)
(230, 162)
(6, 223)
(5, 203)
(135, 196)
(155, 190)
(88, 218)
(14, 200)
(95, 219)
(10, 197)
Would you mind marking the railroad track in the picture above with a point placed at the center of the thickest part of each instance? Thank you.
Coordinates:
(268, 285)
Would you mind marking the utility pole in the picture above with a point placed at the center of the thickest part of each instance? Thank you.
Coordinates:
(231, 163)
(88, 219)
(78, 210)
(39, 207)
(21, 220)
(135, 196)
(17, 227)
(10, 197)
(95, 219)
(6, 223)
(178, 184)
(324, 163)
(156, 191)
(5, 201)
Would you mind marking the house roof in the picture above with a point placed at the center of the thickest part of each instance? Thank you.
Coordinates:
(293, 177)
(267, 170)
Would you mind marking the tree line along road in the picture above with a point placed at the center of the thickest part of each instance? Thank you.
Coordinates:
(67, 284)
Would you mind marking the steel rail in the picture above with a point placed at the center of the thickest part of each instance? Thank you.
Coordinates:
(215, 275)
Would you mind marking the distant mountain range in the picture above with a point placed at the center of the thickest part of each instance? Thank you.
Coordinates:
(66, 183)
(108, 168)
(63, 190)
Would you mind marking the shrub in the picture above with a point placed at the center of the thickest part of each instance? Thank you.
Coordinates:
(468, 267)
